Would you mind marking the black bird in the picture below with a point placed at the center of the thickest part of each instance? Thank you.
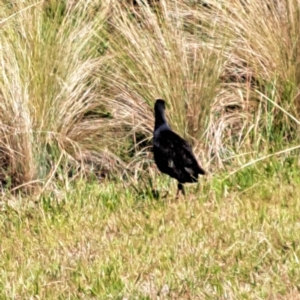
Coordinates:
(172, 154)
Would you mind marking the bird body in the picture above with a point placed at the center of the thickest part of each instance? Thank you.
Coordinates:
(172, 154)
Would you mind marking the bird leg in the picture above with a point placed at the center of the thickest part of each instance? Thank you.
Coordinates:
(180, 187)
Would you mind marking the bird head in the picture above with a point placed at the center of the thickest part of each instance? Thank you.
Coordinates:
(160, 103)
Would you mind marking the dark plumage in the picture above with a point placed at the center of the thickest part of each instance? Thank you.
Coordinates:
(172, 154)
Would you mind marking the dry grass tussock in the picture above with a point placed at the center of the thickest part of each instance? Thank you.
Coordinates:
(48, 87)
(79, 79)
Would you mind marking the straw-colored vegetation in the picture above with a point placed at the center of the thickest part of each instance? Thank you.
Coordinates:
(78, 80)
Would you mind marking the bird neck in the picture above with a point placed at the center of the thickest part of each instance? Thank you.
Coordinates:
(160, 118)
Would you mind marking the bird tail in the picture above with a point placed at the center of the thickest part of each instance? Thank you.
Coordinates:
(201, 171)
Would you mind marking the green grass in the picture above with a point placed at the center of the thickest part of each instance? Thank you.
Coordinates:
(234, 238)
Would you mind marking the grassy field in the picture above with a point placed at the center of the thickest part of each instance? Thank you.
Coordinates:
(84, 213)
(109, 241)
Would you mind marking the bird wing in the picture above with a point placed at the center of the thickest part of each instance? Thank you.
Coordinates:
(176, 155)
